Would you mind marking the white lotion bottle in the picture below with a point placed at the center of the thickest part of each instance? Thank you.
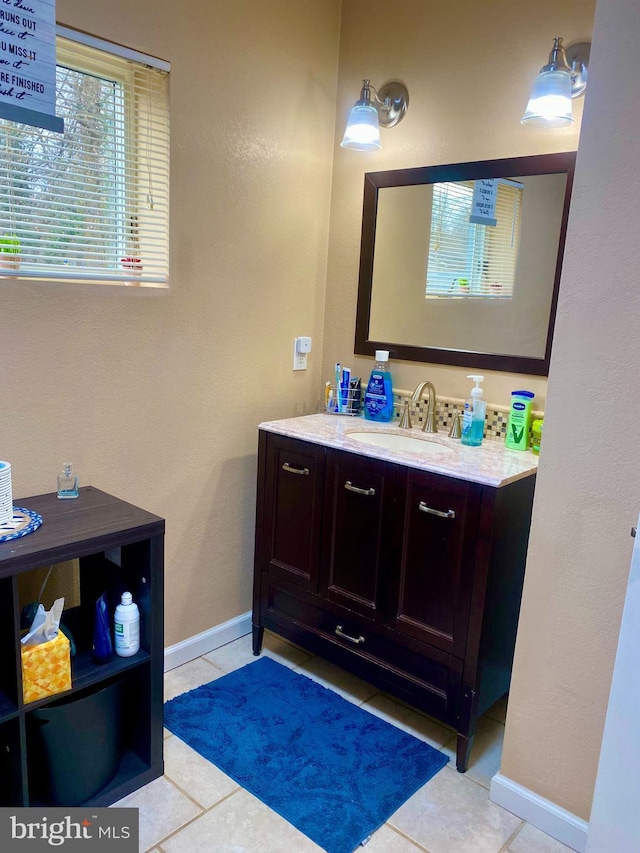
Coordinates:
(126, 623)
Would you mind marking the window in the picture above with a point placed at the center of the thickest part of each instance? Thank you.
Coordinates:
(467, 259)
(91, 204)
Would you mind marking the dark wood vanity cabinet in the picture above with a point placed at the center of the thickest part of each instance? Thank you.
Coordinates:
(409, 579)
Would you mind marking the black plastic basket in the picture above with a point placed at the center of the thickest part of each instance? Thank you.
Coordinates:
(75, 745)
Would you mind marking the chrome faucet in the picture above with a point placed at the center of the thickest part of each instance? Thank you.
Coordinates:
(430, 419)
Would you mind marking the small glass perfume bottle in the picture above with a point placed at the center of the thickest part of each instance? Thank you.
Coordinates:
(67, 483)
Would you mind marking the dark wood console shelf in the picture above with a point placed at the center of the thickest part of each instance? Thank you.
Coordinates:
(118, 547)
(411, 580)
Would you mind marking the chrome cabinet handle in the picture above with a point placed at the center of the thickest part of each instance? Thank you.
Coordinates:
(424, 508)
(351, 488)
(357, 641)
(292, 470)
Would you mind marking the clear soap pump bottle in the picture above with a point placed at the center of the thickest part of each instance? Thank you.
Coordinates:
(474, 412)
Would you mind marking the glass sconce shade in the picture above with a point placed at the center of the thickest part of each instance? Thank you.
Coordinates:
(363, 128)
(550, 101)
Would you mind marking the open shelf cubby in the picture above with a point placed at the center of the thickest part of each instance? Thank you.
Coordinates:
(112, 715)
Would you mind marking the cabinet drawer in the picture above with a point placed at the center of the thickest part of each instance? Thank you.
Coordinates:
(430, 681)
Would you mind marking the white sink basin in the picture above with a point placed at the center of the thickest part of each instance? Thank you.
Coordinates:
(401, 441)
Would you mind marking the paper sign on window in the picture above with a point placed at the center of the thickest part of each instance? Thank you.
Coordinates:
(28, 63)
(483, 206)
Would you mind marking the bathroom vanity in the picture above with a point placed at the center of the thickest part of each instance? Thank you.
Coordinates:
(404, 566)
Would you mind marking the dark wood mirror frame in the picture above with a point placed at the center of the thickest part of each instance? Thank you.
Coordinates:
(374, 181)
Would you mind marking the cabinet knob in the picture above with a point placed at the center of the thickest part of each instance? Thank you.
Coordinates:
(357, 641)
(293, 470)
(351, 488)
(450, 513)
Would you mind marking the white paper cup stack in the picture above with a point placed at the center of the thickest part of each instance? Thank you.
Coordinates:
(6, 496)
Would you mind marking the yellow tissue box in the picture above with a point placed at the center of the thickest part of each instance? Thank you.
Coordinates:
(46, 668)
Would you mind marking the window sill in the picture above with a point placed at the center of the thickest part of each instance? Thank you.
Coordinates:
(86, 285)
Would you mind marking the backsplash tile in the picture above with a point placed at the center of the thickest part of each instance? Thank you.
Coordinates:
(448, 407)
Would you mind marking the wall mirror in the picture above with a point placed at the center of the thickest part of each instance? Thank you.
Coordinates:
(460, 264)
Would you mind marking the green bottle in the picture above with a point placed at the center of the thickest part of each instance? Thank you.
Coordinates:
(517, 437)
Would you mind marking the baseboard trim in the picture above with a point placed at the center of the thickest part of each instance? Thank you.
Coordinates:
(543, 814)
(207, 641)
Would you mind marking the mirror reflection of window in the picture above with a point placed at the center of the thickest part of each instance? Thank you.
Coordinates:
(468, 259)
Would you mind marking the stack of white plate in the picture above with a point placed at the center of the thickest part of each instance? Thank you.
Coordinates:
(6, 496)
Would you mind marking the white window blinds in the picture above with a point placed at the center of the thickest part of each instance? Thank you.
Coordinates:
(472, 260)
(91, 204)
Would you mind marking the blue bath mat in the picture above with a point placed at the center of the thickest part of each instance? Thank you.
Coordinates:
(333, 770)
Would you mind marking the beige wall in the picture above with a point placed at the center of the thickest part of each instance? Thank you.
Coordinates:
(403, 227)
(469, 68)
(156, 399)
(588, 490)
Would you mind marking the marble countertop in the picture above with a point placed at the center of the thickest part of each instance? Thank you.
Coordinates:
(491, 464)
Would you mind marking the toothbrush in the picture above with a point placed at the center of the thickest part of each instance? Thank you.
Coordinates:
(344, 386)
(338, 395)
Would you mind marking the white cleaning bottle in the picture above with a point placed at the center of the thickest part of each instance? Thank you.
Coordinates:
(127, 627)
(474, 411)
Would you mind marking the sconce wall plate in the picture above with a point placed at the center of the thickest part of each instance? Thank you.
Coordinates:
(395, 98)
(578, 54)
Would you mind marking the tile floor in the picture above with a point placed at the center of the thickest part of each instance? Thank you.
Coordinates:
(195, 808)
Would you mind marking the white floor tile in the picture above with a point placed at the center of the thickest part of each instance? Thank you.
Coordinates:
(189, 676)
(452, 814)
(162, 809)
(387, 840)
(239, 653)
(532, 840)
(199, 778)
(348, 686)
(240, 824)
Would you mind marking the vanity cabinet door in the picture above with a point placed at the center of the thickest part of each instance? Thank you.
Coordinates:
(292, 510)
(358, 501)
(435, 534)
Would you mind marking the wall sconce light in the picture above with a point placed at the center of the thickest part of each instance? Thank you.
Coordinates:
(387, 108)
(556, 84)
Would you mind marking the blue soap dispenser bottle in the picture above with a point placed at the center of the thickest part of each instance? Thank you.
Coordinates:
(378, 398)
(474, 414)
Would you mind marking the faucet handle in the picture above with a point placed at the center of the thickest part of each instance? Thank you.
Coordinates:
(405, 420)
(456, 427)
